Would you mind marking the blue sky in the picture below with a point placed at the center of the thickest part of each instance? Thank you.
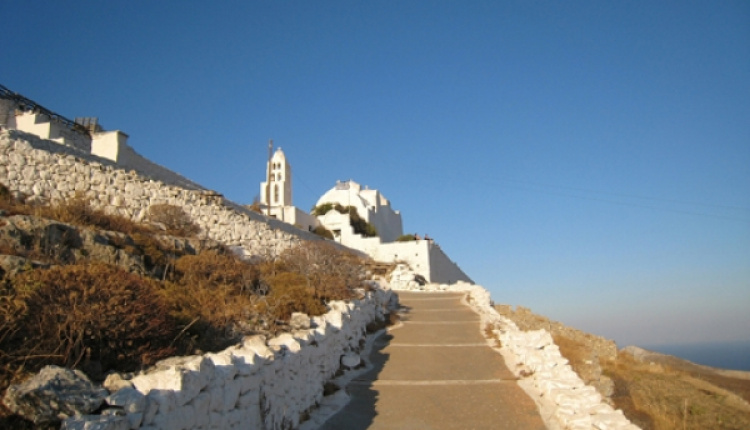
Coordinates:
(589, 160)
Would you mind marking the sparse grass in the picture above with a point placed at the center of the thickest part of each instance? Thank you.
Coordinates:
(578, 355)
(660, 397)
(78, 211)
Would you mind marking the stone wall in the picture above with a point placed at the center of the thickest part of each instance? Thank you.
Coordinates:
(46, 171)
(260, 384)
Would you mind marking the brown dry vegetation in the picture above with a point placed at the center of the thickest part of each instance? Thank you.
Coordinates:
(665, 393)
(657, 396)
(100, 317)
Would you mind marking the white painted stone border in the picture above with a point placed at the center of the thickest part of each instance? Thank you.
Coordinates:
(259, 384)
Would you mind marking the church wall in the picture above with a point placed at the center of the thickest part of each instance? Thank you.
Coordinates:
(295, 216)
(388, 224)
(415, 253)
(442, 269)
(369, 207)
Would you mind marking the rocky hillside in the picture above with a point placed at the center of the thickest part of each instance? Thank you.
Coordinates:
(656, 391)
(104, 295)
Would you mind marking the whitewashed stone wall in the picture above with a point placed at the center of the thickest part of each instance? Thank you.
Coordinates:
(564, 400)
(46, 171)
(259, 384)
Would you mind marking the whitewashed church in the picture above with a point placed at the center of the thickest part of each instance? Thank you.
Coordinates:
(424, 256)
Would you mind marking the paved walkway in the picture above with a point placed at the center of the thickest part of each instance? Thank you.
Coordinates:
(436, 372)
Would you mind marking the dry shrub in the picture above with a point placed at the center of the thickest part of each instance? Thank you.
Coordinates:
(10, 204)
(174, 219)
(332, 273)
(78, 211)
(78, 314)
(212, 292)
(289, 292)
(659, 397)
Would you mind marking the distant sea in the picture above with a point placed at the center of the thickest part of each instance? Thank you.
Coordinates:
(725, 355)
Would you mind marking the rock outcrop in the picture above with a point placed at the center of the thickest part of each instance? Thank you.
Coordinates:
(54, 394)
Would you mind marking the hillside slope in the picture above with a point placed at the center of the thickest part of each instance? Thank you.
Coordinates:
(655, 391)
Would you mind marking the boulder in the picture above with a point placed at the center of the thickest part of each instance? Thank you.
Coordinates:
(54, 394)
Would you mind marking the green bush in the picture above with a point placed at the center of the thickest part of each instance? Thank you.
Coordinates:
(323, 232)
(359, 225)
(322, 209)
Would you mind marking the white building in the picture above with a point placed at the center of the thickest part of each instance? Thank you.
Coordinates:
(18, 112)
(423, 256)
(276, 194)
(371, 206)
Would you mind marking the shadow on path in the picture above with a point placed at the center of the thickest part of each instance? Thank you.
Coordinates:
(360, 412)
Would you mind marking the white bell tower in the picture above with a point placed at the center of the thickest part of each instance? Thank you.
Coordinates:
(279, 177)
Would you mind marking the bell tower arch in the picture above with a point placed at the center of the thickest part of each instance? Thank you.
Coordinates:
(279, 172)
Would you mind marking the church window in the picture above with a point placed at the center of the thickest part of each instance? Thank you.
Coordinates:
(278, 177)
(276, 193)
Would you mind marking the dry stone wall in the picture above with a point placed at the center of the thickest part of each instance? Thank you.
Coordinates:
(46, 171)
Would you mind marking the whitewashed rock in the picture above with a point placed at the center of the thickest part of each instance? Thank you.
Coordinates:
(351, 360)
(299, 321)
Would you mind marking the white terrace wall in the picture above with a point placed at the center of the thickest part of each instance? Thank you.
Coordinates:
(113, 146)
(443, 269)
(50, 128)
(46, 171)
(424, 257)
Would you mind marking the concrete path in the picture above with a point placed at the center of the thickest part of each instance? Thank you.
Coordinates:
(436, 372)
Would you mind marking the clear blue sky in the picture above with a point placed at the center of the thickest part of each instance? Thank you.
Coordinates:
(589, 160)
